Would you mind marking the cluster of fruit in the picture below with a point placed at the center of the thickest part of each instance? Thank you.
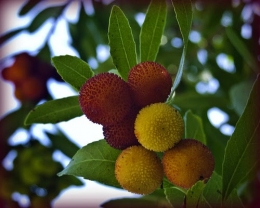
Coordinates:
(29, 75)
(137, 120)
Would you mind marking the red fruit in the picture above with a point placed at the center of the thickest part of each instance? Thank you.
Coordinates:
(31, 89)
(19, 70)
(105, 99)
(150, 83)
(121, 135)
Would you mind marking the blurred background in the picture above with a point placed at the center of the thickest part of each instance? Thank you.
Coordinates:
(222, 62)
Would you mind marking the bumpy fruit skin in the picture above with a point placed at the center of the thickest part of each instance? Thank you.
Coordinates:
(105, 99)
(150, 83)
(188, 162)
(158, 127)
(121, 135)
(139, 170)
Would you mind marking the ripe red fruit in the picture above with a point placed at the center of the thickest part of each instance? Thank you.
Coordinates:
(150, 83)
(121, 135)
(105, 99)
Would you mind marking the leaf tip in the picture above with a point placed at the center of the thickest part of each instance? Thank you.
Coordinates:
(61, 173)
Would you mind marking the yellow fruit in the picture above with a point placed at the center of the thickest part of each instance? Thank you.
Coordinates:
(158, 127)
(139, 170)
(188, 162)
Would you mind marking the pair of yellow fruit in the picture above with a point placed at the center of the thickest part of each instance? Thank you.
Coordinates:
(159, 128)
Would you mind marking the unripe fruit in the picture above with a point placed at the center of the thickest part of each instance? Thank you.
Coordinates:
(121, 135)
(150, 83)
(158, 127)
(188, 162)
(105, 99)
(139, 170)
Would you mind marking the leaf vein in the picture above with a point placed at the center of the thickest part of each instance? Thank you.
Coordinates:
(242, 156)
(122, 42)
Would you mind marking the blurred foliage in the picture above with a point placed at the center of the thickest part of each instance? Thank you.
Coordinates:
(216, 31)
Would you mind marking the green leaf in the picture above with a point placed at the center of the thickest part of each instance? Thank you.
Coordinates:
(242, 148)
(194, 194)
(12, 121)
(175, 196)
(121, 41)
(216, 142)
(183, 11)
(233, 201)
(212, 194)
(199, 101)
(73, 70)
(152, 30)
(45, 53)
(9, 124)
(241, 47)
(239, 94)
(10, 34)
(212, 191)
(61, 142)
(28, 6)
(38, 21)
(95, 161)
(194, 127)
(55, 111)
(155, 200)
(131, 202)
